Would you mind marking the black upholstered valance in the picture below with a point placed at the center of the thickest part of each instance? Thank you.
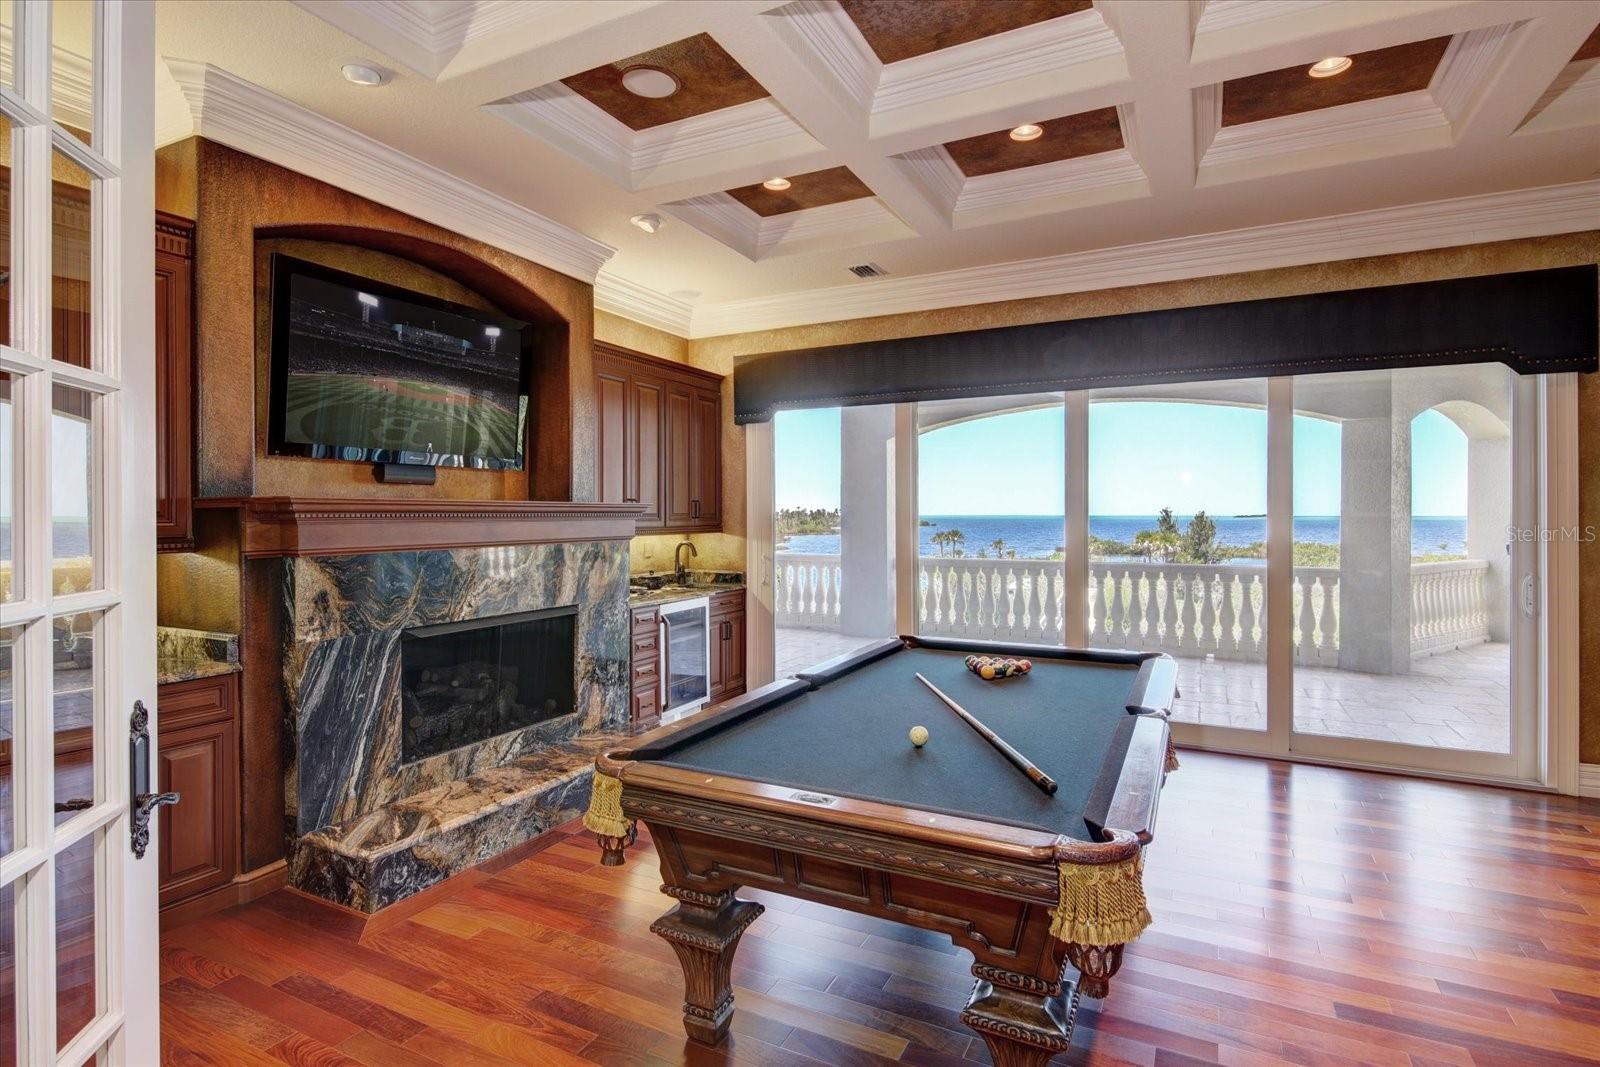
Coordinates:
(1534, 322)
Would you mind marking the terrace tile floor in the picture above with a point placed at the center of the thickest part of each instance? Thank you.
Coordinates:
(1456, 700)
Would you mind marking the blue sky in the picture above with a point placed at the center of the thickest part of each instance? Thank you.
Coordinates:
(1183, 456)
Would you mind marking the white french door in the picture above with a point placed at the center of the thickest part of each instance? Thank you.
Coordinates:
(78, 910)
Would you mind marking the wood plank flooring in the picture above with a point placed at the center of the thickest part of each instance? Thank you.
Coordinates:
(1303, 915)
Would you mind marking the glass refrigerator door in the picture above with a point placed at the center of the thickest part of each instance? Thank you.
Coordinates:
(688, 656)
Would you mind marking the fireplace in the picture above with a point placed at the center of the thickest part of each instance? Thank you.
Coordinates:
(466, 682)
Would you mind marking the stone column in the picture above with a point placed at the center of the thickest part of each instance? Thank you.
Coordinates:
(1375, 542)
(866, 541)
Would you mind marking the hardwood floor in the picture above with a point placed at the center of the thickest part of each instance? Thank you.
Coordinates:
(1303, 915)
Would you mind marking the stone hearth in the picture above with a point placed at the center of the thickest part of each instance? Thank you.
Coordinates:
(366, 827)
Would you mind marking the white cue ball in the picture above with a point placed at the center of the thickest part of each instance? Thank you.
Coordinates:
(919, 735)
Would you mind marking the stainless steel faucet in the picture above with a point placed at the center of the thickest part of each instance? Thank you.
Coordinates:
(679, 571)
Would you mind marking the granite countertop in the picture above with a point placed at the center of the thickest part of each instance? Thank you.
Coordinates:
(701, 583)
(183, 655)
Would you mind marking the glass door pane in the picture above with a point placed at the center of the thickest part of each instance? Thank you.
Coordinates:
(992, 522)
(1177, 539)
(1411, 473)
(833, 558)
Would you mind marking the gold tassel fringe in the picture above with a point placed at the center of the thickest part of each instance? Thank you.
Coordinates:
(605, 816)
(1172, 756)
(1101, 904)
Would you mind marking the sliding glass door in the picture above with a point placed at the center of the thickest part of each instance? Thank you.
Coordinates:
(1409, 636)
(1337, 562)
(1177, 506)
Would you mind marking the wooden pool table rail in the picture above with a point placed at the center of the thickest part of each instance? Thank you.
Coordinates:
(990, 887)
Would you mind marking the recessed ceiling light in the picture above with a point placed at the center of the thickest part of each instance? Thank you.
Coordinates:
(1027, 132)
(363, 75)
(649, 223)
(650, 82)
(777, 185)
(1327, 68)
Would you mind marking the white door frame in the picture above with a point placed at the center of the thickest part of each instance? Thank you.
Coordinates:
(121, 382)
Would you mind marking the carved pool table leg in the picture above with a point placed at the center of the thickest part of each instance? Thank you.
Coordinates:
(704, 931)
(1023, 1019)
(1096, 965)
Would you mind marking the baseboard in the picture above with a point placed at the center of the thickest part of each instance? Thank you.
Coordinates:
(244, 888)
(1589, 779)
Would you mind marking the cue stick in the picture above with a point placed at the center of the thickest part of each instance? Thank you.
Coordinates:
(1021, 762)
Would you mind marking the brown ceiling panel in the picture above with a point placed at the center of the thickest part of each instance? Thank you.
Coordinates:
(817, 189)
(709, 79)
(1290, 91)
(1590, 48)
(900, 29)
(1064, 138)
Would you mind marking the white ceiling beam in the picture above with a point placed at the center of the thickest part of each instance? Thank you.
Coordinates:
(803, 85)
(1158, 124)
(1531, 59)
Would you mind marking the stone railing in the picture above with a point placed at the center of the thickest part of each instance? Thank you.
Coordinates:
(806, 590)
(1183, 608)
(1449, 605)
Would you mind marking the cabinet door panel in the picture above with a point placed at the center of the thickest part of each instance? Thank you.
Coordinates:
(733, 655)
(679, 464)
(174, 515)
(197, 840)
(644, 455)
(612, 401)
(706, 473)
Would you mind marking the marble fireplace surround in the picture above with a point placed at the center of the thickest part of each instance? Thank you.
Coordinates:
(367, 829)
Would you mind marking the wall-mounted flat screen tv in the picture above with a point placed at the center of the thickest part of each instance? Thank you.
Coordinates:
(367, 371)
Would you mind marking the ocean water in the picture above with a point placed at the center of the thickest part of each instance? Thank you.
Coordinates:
(70, 537)
(1037, 536)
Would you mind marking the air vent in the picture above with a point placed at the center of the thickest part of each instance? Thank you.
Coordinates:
(868, 270)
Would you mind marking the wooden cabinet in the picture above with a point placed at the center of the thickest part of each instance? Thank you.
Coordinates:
(644, 673)
(198, 755)
(174, 382)
(727, 645)
(659, 440)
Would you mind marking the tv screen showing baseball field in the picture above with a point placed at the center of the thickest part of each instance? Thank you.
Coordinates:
(371, 372)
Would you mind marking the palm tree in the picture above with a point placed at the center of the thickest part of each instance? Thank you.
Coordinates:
(999, 546)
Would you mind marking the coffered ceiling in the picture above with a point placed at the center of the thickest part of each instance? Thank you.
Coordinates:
(1165, 123)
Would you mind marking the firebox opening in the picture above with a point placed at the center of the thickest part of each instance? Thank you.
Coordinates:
(464, 682)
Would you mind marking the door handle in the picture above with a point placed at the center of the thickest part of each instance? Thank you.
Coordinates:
(142, 801)
(664, 664)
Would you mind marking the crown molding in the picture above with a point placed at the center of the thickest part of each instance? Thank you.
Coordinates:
(854, 222)
(635, 159)
(1042, 48)
(823, 27)
(1439, 224)
(1311, 131)
(642, 304)
(426, 35)
(244, 116)
(1227, 14)
(1573, 99)
(71, 82)
(936, 174)
(1049, 182)
(1468, 63)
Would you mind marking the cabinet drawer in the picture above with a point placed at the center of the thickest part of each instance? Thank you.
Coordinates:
(645, 621)
(196, 701)
(646, 704)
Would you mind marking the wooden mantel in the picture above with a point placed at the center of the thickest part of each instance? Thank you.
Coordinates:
(304, 526)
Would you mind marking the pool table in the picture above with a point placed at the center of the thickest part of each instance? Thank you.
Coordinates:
(810, 787)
